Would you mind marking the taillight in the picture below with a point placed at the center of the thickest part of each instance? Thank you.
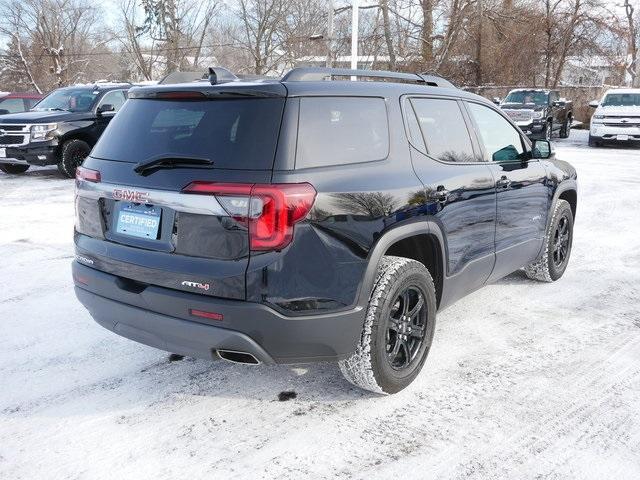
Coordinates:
(87, 174)
(269, 210)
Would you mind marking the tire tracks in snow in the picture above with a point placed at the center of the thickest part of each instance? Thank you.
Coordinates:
(593, 387)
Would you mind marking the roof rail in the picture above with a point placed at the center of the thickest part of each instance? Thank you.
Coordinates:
(315, 74)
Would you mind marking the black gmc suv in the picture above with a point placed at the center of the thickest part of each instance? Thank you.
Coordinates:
(539, 112)
(61, 129)
(301, 220)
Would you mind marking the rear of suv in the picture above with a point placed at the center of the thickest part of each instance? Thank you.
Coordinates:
(301, 220)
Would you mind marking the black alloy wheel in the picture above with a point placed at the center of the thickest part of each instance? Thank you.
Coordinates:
(561, 242)
(406, 328)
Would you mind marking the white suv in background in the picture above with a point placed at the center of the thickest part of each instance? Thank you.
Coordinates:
(617, 117)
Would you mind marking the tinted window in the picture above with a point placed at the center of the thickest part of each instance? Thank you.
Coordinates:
(502, 142)
(12, 105)
(340, 130)
(31, 102)
(539, 97)
(115, 98)
(70, 99)
(236, 133)
(621, 99)
(444, 130)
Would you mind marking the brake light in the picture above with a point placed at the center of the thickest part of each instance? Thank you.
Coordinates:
(87, 174)
(181, 95)
(269, 210)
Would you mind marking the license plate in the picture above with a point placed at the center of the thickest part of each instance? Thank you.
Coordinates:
(3, 153)
(622, 137)
(142, 221)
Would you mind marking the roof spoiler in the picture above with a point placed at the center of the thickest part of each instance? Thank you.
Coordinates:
(214, 75)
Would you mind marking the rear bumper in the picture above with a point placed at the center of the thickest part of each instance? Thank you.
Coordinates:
(160, 317)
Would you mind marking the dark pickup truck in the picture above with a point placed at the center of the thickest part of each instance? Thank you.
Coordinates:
(539, 112)
(61, 129)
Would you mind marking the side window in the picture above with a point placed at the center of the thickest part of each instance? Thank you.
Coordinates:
(444, 130)
(501, 141)
(31, 102)
(12, 105)
(115, 98)
(341, 130)
(553, 97)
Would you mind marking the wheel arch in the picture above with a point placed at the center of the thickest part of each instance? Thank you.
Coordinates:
(421, 241)
(85, 137)
(571, 196)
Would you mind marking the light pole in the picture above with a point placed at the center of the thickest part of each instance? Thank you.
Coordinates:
(329, 62)
(354, 34)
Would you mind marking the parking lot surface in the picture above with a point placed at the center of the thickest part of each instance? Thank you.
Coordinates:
(524, 380)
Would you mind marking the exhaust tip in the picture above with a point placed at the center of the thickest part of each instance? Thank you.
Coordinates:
(237, 357)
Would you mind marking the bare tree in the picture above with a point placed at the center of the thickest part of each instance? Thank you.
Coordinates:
(15, 63)
(632, 35)
(142, 53)
(178, 28)
(61, 35)
(261, 34)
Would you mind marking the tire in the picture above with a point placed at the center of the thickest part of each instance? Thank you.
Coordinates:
(60, 168)
(13, 168)
(548, 131)
(565, 130)
(391, 353)
(556, 250)
(593, 142)
(73, 154)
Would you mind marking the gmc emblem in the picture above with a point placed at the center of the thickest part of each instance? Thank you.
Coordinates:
(130, 195)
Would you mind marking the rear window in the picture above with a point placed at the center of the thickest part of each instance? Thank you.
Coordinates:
(341, 130)
(234, 133)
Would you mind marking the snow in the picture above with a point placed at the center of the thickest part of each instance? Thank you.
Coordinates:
(524, 380)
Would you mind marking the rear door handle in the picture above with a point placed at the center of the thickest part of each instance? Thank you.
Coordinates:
(504, 182)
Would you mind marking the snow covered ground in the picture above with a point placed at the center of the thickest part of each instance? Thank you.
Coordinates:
(524, 380)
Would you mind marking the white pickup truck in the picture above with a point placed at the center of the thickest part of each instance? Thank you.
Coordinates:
(617, 117)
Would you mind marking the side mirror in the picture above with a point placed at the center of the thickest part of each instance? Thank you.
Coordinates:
(496, 100)
(594, 104)
(106, 108)
(3, 112)
(542, 149)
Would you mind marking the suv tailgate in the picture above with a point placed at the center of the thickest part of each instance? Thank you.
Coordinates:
(140, 225)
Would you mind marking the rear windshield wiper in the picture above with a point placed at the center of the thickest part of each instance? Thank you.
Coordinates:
(145, 168)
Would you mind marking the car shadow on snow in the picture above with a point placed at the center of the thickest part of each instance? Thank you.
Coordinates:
(44, 173)
(217, 378)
